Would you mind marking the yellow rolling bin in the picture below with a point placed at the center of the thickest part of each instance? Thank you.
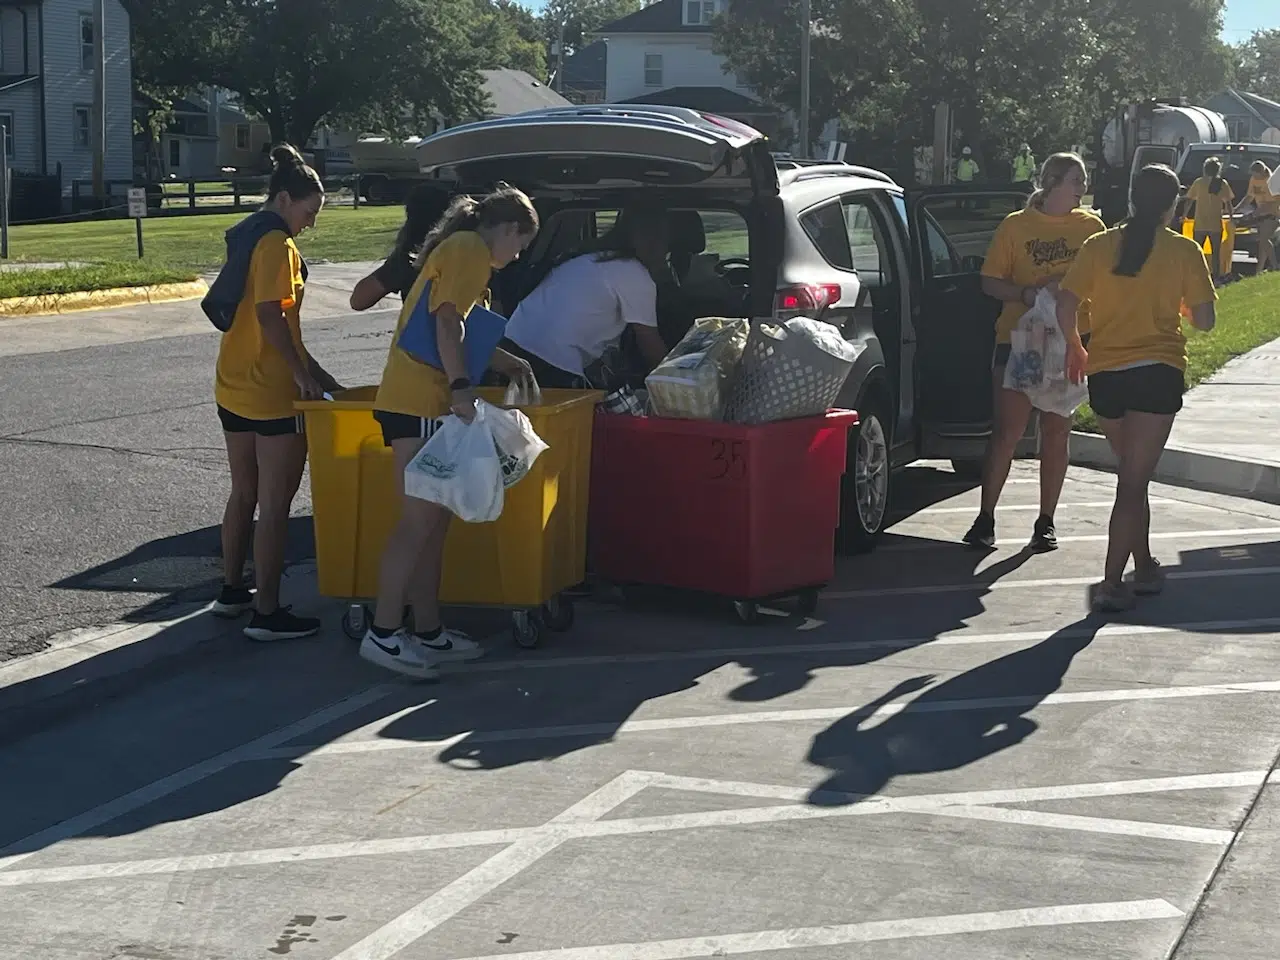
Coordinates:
(523, 561)
(1226, 252)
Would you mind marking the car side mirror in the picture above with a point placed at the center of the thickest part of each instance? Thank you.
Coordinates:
(972, 263)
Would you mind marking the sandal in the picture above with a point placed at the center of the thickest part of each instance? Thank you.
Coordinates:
(1113, 598)
(1148, 581)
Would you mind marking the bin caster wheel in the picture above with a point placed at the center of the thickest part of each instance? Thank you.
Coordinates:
(558, 614)
(525, 629)
(748, 611)
(807, 603)
(355, 621)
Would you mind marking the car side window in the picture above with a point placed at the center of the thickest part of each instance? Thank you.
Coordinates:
(958, 229)
(870, 252)
(826, 228)
(940, 255)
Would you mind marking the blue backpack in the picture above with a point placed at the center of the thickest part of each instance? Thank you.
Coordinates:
(226, 292)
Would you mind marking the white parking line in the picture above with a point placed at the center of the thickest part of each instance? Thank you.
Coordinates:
(442, 906)
(797, 938)
(1106, 825)
(978, 585)
(1102, 538)
(1035, 507)
(797, 806)
(30, 845)
(819, 715)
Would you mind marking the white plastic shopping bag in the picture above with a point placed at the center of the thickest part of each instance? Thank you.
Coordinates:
(1038, 360)
(523, 392)
(517, 443)
(460, 469)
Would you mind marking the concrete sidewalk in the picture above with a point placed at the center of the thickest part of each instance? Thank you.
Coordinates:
(1227, 438)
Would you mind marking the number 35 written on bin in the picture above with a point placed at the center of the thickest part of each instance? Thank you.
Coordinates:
(726, 460)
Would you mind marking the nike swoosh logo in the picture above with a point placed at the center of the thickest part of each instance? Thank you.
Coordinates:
(389, 651)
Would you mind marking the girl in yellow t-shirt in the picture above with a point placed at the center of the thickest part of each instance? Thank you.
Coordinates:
(1213, 200)
(1031, 249)
(1136, 278)
(1267, 207)
(475, 237)
(263, 368)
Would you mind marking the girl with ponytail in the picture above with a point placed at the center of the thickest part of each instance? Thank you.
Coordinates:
(263, 368)
(1212, 199)
(1136, 278)
(1031, 249)
(475, 236)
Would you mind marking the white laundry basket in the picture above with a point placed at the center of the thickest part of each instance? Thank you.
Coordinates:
(787, 372)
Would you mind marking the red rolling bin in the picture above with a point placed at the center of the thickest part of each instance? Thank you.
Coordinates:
(744, 512)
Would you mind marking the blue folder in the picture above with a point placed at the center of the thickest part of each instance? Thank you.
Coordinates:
(484, 332)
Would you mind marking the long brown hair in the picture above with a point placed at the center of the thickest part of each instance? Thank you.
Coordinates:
(1053, 173)
(504, 204)
(1155, 191)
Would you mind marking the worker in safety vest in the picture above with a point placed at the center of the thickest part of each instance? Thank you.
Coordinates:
(967, 167)
(1024, 165)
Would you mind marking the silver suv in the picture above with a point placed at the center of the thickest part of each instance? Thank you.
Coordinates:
(757, 236)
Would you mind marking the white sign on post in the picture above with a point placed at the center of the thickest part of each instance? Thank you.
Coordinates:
(137, 202)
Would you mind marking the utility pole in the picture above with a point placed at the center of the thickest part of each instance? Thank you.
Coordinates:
(98, 135)
(559, 51)
(806, 44)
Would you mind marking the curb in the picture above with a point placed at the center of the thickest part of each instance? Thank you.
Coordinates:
(1179, 467)
(80, 301)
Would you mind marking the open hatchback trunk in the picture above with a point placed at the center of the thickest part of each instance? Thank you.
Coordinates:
(592, 147)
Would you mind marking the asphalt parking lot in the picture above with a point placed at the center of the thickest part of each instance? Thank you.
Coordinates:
(951, 758)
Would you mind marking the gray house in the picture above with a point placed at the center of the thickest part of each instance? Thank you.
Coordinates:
(1250, 118)
(46, 88)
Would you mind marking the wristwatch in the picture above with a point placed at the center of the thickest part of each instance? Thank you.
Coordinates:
(462, 383)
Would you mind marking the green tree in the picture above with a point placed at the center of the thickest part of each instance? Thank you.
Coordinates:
(1010, 71)
(507, 34)
(1257, 64)
(581, 18)
(383, 65)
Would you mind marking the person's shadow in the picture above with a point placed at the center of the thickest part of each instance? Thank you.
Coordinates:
(958, 722)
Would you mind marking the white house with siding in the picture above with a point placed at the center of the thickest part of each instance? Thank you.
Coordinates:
(46, 88)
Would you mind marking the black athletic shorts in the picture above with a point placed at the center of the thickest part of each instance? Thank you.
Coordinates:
(1154, 388)
(283, 427)
(401, 426)
(1001, 356)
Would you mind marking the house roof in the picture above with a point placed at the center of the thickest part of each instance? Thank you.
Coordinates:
(718, 100)
(665, 16)
(10, 80)
(514, 91)
(1267, 110)
(587, 67)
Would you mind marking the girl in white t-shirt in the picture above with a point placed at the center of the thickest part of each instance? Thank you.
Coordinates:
(586, 303)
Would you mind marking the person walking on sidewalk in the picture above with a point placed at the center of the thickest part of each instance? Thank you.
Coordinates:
(1031, 250)
(263, 368)
(1137, 278)
(1212, 199)
(425, 206)
(475, 237)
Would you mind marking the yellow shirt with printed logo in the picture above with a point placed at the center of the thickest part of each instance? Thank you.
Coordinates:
(458, 271)
(253, 379)
(1138, 319)
(1031, 245)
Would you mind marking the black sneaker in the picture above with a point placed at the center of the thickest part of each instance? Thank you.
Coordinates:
(281, 625)
(232, 602)
(1044, 539)
(982, 535)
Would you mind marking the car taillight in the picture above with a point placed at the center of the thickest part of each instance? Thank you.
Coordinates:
(808, 296)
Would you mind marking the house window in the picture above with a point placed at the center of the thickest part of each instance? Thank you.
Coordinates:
(242, 136)
(80, 127)
(86, 43)
(699, 13)
(653, 69)
(175, 155)
(6, 121)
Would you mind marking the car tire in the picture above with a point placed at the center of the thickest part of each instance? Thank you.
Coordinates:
(967, 469)
(864, 491)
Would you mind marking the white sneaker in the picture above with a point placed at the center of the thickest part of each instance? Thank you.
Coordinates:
(452, 646)
(400, 653)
